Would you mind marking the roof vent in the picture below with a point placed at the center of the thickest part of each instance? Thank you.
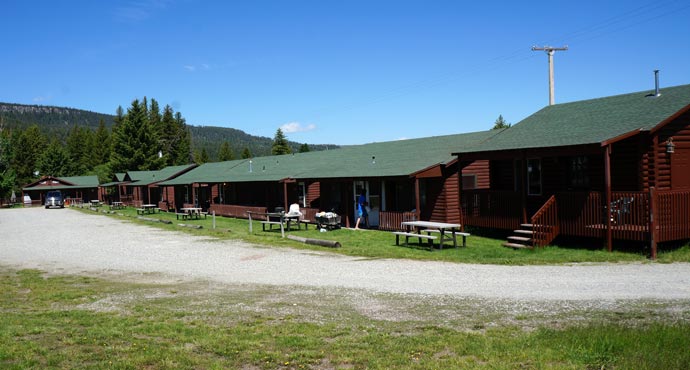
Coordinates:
(656, 85)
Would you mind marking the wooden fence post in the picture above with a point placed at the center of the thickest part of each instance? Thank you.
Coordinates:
(653, 231)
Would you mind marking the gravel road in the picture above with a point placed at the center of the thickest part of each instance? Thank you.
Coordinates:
(67, 241)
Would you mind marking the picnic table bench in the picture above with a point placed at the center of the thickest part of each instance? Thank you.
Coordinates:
(448, 232)
(409, 235)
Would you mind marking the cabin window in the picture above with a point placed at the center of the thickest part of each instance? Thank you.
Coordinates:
(579, 172)
(302, 194)
(534, 176)
(469, 182)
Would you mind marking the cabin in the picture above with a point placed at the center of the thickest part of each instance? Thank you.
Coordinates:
(73, 188)
(141, 187)
(612, 168)
(404, 179)
(113, 191)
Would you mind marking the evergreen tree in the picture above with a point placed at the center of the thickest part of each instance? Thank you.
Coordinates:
(280, 144)
(201, 157)
(80, 151)
(54, 161)
(7, 175)
(27, 147)
(101, 147)
(135, 145)
(246, 154)
(225, 153)
(155, 118)
(182, 147)
(500, 123)
(304, 148)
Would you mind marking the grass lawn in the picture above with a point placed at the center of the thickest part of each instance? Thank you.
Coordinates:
(85, 322)
(381, 244)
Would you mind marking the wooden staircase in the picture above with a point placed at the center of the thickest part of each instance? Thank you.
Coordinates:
(521, 238)
(542, 230)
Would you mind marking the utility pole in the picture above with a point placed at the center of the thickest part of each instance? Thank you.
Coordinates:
(549, 51)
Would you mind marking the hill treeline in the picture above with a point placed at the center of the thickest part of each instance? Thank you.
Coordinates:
(57, 121)
(41, 140)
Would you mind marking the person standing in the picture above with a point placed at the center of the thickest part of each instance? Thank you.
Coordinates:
(362, 215)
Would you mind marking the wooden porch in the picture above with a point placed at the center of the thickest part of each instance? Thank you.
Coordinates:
(628, 216)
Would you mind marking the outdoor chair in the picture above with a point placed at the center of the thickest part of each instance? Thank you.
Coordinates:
(620, 208)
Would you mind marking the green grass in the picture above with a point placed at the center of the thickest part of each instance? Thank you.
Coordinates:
(381, 244)
(80, 322)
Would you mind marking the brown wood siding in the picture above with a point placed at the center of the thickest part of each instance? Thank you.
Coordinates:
(451, 190)
(435, 208)
(480, 169)
(314, 194)
(671, 167)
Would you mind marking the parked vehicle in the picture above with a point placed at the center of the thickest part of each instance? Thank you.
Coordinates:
(54, 199)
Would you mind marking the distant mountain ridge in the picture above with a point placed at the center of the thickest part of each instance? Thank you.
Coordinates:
(57, 121)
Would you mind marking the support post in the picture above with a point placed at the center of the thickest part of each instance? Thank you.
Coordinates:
(285, 197)
(607, 181)
(523, 195)
(417, 201)
(653, 228)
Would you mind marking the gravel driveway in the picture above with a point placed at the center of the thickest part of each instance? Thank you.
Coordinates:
(68, 241)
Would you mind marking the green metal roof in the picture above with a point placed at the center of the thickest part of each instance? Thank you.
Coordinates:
(143, 178)
(589, 121)
(79, 182)
(392, 158)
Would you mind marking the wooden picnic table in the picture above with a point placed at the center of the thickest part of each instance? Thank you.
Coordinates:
(447, 231)
(147, 208)
(117, 205)
(282, 219)
(192, 212)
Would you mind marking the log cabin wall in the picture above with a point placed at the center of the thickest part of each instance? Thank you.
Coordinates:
(672, 171)
(313, 194)
(452, 184)
(480, 169)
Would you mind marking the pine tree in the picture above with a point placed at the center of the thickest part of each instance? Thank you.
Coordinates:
(135, 145)
(246, 154)
(304, 148)
(27, 147)
(101, 148)
(280, 144)
(79, 151)
(182, 143)
(225, 153)
(7, 175)
(54, 161)
(201, 157)
(500, 123)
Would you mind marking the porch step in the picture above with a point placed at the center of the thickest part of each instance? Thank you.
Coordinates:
(517, 246)
(519, 239)
(525, 232)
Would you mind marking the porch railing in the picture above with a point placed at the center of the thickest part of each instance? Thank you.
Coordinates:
(545, 224)
(578, 213)
(232, 210)
(391, 221)
(673, 215)
(491, 209)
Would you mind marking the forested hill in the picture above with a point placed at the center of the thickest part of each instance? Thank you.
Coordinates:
(50, 119)
(56, 121)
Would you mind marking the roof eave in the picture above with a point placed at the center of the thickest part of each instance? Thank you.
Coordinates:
(672, 117)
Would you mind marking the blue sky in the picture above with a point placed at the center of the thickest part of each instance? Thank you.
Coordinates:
(339, 72)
